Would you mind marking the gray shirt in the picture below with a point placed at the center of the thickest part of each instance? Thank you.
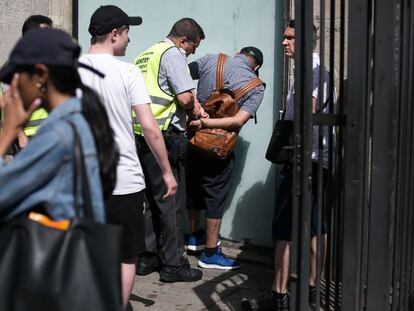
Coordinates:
(289, 114)
(237, 73)
(174, 78)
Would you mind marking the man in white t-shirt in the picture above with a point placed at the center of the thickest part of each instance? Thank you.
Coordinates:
(124, 88)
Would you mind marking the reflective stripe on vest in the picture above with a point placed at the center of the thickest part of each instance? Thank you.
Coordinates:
(38, 116)
(163, 105)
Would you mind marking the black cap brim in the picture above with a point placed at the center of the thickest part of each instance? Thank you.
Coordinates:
(6, 72)
(134, 20)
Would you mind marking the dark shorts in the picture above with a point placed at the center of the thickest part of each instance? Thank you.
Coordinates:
(282, 219)
(208, 183)
(128, 211)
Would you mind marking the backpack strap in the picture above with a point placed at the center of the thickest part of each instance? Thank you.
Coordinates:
(240, 92)
(220, 71)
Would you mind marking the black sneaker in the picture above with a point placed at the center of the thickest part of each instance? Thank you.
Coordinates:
(266, 302)
(312, 298)
(183, 273)
(146, 263)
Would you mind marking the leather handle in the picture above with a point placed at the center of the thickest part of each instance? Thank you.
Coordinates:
(240, 92)
(220, 71)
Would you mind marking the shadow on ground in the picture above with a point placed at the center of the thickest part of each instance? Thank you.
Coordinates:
(226, 290)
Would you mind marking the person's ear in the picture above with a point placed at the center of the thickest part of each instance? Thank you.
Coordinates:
(182, 40)
(113, 34)
(41, 77)
(41, 74)
(256, 68)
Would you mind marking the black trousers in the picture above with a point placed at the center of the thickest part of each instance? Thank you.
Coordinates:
(165, 220)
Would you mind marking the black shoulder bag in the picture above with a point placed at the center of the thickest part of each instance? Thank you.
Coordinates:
(281, 146)
(61, 265)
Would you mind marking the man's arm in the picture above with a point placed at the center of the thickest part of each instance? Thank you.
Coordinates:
(197, 105)
(174, 63)
(155, 141)
(314, 103)
(247, 110)
(234, 123)
(188, 102)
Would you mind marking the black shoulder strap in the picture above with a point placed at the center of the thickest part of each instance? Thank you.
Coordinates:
(79, 170)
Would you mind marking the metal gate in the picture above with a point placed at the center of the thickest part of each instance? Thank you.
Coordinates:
(370, 189)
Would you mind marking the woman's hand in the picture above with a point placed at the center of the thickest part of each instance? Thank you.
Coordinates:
(15, 115)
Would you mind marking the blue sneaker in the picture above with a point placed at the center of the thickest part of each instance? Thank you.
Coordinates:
(196, 241)
(218, 261)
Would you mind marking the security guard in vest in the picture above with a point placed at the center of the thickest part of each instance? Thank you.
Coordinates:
(1, 108)
(170, 86)
(39, 115)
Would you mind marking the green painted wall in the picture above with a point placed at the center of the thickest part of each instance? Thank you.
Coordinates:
(229, 25)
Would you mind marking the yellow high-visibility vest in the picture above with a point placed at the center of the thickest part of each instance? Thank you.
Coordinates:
(36, 119)
(163, 105)
(38, 116)
(1, 112)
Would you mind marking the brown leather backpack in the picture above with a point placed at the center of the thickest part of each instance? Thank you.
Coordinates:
(218, 143)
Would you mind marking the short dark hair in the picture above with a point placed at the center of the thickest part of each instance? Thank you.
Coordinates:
(291, 24)
(101, 38)
(34, 21)
(187, 27)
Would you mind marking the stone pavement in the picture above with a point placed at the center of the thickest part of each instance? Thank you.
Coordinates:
(218, 290)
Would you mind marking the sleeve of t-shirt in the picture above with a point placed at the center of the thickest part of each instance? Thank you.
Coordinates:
(20, 177)
(253, 101)
(178, 75)
(315, 81)
(193, 66)
(137, 89)
(197, 66)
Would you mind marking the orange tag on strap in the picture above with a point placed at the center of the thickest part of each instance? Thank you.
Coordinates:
(47, 222)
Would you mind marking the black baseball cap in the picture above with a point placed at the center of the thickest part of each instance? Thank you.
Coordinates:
(109, 17)
(41, 46)
(256, 53)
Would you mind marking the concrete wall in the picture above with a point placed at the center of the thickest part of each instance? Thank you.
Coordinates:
(327, 34)
(14, 12)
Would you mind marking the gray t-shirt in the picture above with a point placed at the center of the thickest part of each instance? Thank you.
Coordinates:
(237, 73)
(174, 78)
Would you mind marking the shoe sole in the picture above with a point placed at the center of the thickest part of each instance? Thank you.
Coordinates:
(212, 266)
(145, 272)
(175, 279)
(198, 248)
(195, 248)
